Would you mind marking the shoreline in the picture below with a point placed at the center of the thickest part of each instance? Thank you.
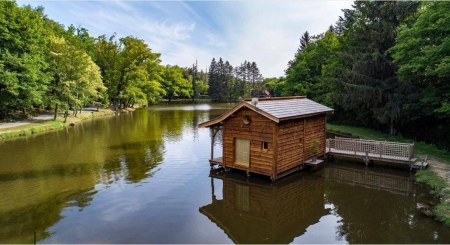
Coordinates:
(42, 126)
(436, 176)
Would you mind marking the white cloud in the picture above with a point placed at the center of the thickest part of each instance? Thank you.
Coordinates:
(266, 32)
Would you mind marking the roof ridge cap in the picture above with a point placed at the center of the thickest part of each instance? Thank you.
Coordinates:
(278, 98)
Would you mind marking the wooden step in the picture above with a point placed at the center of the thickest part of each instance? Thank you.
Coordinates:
(309, 162)
(419, 164)
(413, 159)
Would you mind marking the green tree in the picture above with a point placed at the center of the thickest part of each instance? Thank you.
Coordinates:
(175, 84)
(76, 78)
(308, 73)
(130, 70)
(23, 80)
(274, 85)
(367, 79)
(304, 41)
(423, 56)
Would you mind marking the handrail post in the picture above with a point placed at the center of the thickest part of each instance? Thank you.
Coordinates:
(381, 149)
(354, 146)
(409, 152)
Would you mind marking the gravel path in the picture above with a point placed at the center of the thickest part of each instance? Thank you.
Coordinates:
(43, 117)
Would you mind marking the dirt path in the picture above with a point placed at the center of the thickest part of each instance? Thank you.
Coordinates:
(43, 117)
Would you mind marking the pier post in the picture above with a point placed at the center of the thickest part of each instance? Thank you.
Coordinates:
(381, 149)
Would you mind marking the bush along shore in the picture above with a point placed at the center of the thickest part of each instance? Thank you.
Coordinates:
(437, 176)
(31, 127)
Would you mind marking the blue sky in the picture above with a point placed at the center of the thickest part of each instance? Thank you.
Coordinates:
(266, 32)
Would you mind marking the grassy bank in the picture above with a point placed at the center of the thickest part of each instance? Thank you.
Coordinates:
(49, 125)
(436, 177)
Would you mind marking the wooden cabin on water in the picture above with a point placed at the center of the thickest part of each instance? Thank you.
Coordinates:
(272, 136)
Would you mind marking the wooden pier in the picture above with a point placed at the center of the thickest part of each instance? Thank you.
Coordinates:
(372, 150)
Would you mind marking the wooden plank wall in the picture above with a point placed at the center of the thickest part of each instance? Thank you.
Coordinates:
(315, 129)
(259, 130)
(290, 151)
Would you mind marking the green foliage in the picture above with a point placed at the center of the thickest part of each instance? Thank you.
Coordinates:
(427, 177)
(440, 189)
(274, 85)
(23, 80)
(131, 71)
(202, 87)
(422, 54)
(307, 73)
(77, 78)
(220, 80)
(175, 84)
(366, 83)
(443, 213)
(314, 147)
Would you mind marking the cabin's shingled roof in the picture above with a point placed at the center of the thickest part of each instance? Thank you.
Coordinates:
(277, 109)
(287, 108)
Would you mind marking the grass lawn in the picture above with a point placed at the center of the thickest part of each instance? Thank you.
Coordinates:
(44, 126)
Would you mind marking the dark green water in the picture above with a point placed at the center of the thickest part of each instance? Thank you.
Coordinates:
(144, 177)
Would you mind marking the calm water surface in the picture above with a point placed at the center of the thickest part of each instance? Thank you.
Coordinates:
(144, 177)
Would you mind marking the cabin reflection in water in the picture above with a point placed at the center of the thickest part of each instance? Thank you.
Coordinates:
(256, 211)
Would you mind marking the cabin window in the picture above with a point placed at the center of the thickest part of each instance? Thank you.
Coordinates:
(247, 119)
(265, 146)
(242, 198)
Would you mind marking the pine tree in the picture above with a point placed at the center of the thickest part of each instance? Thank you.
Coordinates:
(368, 80)
(304, 41)
(213, 80)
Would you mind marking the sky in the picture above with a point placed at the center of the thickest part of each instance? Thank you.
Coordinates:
(266, 32)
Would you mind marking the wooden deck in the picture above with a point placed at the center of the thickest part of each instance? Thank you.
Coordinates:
(216, 161)
(371, 150)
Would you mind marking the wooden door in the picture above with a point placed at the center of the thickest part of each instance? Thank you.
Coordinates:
(242, 152)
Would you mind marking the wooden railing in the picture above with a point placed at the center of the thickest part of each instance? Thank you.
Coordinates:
(373, 148)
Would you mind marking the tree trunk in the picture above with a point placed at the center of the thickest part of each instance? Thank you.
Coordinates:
(392, 128)
(56, 111)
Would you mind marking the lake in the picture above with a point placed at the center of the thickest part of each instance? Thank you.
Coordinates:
(144, 177)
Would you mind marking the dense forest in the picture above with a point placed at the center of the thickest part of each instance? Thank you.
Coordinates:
(383, 65)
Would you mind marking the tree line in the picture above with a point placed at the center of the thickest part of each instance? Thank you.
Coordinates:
(228, 84)
(46, 65)
(383, 65)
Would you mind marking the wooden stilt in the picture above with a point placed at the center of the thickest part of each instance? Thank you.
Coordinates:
(213, 196)
(213, 135)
